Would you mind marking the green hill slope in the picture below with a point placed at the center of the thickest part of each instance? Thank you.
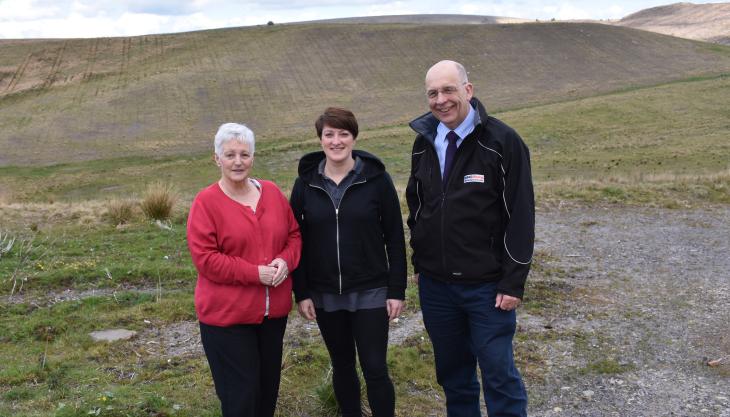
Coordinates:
(84, 99)
(667, 145)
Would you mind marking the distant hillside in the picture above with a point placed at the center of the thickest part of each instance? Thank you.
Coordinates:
(707, 22)
(435, 19)
(84, 99)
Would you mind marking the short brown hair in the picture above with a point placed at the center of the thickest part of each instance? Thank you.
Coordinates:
(338, 118)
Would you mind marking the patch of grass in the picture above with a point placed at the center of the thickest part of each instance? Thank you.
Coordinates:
(607, 367)
(102, 256)
(120, 211)
(325, 395)
(158, 201)
(632, 147)
(544, 297)
(546, 290)
(54, 367)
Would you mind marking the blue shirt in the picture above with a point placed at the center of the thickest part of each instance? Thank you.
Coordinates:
(463, 130)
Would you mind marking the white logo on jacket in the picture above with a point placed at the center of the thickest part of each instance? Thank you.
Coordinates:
(473, 178)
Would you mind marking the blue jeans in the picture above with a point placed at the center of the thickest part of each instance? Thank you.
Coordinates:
(465, 329)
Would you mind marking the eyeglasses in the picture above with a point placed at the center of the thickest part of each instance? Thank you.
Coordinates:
(446, 91)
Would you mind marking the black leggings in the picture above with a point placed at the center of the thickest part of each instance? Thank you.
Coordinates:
(245, 361)
(367, 329)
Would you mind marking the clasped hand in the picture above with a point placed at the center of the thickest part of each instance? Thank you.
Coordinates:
(274, 273)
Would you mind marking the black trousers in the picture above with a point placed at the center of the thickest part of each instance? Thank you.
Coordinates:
(245, 361)
(364, 331)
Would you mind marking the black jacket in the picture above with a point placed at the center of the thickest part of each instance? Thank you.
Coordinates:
(480, 227)
(356, 246)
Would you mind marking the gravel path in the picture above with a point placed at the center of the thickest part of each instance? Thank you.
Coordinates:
(659, 286)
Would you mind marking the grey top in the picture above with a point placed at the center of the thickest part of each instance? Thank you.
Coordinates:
(351, 301)
(336, 191)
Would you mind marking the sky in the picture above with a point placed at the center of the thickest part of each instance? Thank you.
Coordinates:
(98, 18)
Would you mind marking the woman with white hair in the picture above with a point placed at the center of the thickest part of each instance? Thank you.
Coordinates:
(244, 240)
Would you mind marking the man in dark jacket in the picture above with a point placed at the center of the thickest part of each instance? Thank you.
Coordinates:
(472, 220)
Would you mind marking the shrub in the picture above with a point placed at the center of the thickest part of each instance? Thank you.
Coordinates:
(158, 201)
(119, 211)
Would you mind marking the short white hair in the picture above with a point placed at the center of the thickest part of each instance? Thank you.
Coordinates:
(233, 131)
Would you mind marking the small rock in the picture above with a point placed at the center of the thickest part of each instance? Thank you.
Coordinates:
(112, 335)
(587, 394)
(557, 409)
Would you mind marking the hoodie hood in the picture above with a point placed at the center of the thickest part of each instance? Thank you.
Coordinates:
(426, 124)
(372, 166)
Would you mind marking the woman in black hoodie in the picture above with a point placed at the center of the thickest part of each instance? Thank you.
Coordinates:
(352, 276)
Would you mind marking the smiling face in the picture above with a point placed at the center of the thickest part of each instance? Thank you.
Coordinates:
(337, 144)
(235, 161)
(448, 94)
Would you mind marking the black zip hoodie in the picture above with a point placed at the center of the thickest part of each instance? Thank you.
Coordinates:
(356, 246)
(480, 227)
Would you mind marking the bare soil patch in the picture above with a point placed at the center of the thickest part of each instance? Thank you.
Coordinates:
(706, 22)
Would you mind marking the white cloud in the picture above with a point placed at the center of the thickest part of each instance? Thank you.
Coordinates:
(393, 8)
(567, 11)
(93, 18)
(22, 10)
(615, 12)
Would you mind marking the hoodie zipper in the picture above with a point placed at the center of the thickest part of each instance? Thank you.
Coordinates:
(337, 223)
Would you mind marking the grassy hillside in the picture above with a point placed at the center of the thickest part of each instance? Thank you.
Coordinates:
(643, 141)
(86, 99)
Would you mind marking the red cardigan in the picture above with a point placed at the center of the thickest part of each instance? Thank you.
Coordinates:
(228, 241)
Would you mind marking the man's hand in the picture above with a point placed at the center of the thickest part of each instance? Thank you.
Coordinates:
(394, 307)
(507, 302)
(306, 309)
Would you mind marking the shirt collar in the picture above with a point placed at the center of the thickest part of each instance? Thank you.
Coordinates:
(357, 169)
(463, 130)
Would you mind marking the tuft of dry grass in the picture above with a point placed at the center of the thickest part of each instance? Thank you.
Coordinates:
(120, 211)
(158, 201)
(19, 217)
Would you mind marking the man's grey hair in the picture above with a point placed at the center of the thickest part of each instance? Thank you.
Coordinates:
(233, 131)
(463, 77)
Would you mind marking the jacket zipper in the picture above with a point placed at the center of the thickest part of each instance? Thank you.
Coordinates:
(443, 240)
(337, 224)
(443, 211)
